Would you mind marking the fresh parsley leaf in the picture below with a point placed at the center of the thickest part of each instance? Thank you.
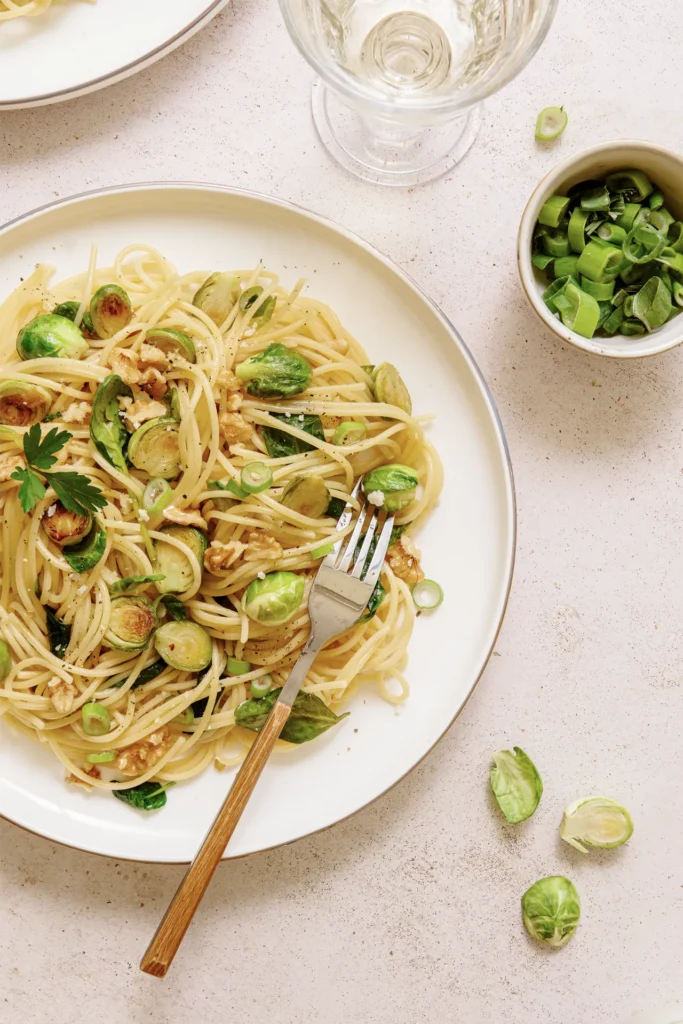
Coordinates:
(40, 453)
(76, 492)
(32, 489)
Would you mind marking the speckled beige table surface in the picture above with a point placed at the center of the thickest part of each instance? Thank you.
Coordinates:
(409, 912)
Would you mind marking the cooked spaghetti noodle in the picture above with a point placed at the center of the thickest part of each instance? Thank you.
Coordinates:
(221, 430)
(24, 8)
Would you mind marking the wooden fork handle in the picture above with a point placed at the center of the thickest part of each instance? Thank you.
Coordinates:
(168, 936)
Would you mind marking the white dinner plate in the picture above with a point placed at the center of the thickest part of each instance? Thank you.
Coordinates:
(467, 544)
(76, 47)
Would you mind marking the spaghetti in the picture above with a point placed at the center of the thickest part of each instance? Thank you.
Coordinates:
(177, 723)
(24, 8)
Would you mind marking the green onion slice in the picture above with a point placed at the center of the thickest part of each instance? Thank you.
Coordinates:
(611, 233)
(237, 667)
(652, 304)
(227, 485)
(576, 231)
(95, 719)
(634, 182)
(579, 311)
(643, 244)
(427, 595)
(351, 431)
(555, 243)
(616, 319)
(156, 496)
(256, 477)
(553, 210)
(103, 757)
(626, 220)
(600, 290)
(675, 239)
(261, 686)
(599, 261)
(670, 258)
(550, 123)
(565, 266)
(541, 260)
(632, 328)
(185, 717)
(677, 293)
(553, 290)
(656, 200)
(595, 199)
(322, 551)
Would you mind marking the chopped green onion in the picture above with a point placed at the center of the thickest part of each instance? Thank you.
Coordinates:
(351, 431)
(553, 210)
(656, 200)
(185, 717)
(606, 310)
(678, 293)
(95, 719)
(227, 485)
(598, 261)
(550, 123)
(600, 290)
(553, 290)
(427, 595)
(670, 258)
(618, 299)
(322, 551)
(631, 328)
(652, 304)
(156, 496)
(616, 319)
(256, 477)
(261, 686)
(661, 220)
(237, 667)
(626, 220)
(628, 305)
(675, 238)
(576, 231)
(579, 311)
(555, 243)
(635, 183)
(541, 260)
(643, 244)
(249, 297)
(102, 758)
(565, 266)
(595, 199)
(612, 233)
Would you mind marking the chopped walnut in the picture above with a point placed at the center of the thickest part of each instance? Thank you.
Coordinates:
(8, 464)
(125, 364)
(139, 412)
(234, 401)
(153, 383)
(228, 381)
(78, 412)
(404, 559)
(219, 556)
(262, 545)
(150, 355)
(185, 516)
(141, 756)
(62, 694)
(234, 427)
(73, 780)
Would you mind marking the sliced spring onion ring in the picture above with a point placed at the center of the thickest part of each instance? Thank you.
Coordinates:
(237, 667)
(611, 233)
(634, 182)
(599, 261)
(555, 243)
(643, 244)
(227, 485)
(565, 266)
(656, 200)
(652, 304)
(553, 210)
(576, 231)
(632, 328)
(550, 123)
(614, 322)
(261, 686)
(323, 551)
(670, 258)
(677, 293)
(595, 199)
(156, 496)
(102, 757)
(675, 238)
(351, 431)
(579, 311)
(256, 477)
(541, 260)
(427, 595)
(627, 218)
(600, 290)
(553, 290)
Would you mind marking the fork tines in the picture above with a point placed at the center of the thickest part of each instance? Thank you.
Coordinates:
(378, 524)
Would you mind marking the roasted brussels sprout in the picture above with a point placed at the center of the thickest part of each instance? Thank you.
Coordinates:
(85, 555)
(596, 821)
(5, 661)
(22, 404)
(132, 620)
(184, 645)
(110, 310)
(551, 909)
(307, 495)
(516, 784)
(276, 372)
(275, 599)
(391, 487)
(174, 563)
(389, 387)
(107, 432)
(216, 297)
(172, 341)
(51, 336)
(64, 527)
(155, 448)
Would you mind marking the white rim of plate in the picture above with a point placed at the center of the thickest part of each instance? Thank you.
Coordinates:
(146, 60)
(478, 376)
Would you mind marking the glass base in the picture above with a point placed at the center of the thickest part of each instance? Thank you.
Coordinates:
(384, 153)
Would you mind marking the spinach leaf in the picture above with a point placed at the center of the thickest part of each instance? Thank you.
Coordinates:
(130, 582)
(148, 796)
(335, 507)
(396, 533)
(58, 632)
(278, 443)
(376, 598)
(147, 674)
(107, 431)
(175, 607)
(310, 716)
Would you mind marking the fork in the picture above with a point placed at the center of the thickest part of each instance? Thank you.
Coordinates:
(341, 590)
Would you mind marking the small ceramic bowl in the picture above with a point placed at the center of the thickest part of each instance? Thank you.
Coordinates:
(664, 167)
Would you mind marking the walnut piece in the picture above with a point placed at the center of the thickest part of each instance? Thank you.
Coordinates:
(404, 559)
(62, 694)
(150, 355)
(77, 412)
(73, 780)
(262, 545)
(185, 517)
(219, 557)
(234, 401)
(139, 412)
(8, 464)
(141, 756)
(234, 427)
(228, 381)
(125, 364)
(153, 383)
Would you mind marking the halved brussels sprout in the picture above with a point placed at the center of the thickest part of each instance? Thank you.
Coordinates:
(551, 909)
(21, 404)
(155, 448)
(276, 372)
(51, 336)
(275, 599)
(110, 310)
(173, 342)
(184, 645)
(84, 556)
(107, 432)
(64, 527)
(5, 660)
(516, 784)
(216, 297)
(307, 495)
(173, 563)
(390, 388)
(596, 821)
(391, 487)
(132, 620)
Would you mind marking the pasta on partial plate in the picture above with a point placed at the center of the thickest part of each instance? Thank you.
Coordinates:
(175, 451)
(25, 8)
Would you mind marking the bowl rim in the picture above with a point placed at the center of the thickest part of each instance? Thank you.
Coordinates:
(528, 219)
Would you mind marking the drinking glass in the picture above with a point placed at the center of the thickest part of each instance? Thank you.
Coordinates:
(400, 82)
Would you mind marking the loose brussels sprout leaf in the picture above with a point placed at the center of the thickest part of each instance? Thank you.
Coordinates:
(335, 508)
(391, 487)
(309, 717)
(85, 555)
(172, 400)
(307, 495)
(596, 821)
(67, 309)
(132, 620)
(279, 443)
(277, 372)
(174, 563)
(551, 909)
(5, 660)
(147, 675)
(172, 342)
(131, 582)
(21, 404)
(59, 633)
(390, 389)
(107, 431)
(148, 796)
(516, 784)
(51, 336)
(110, 310)
(216, 297)
(175, 607)
(275, 599)
(155, 448)
(376, 598)
(65, 528)
(184, 645)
